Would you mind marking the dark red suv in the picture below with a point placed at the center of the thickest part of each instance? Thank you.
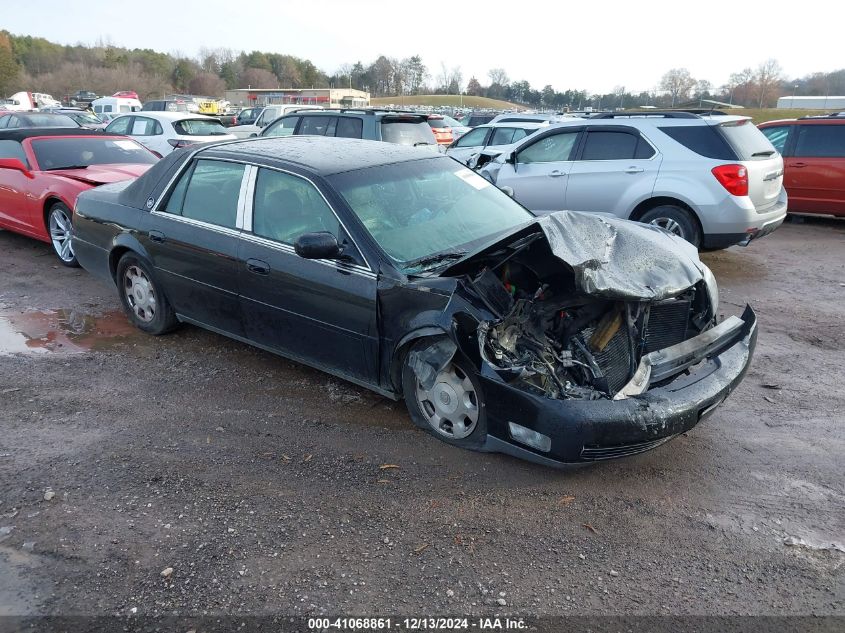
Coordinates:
(813, 150)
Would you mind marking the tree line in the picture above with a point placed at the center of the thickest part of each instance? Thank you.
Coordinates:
(34, 63)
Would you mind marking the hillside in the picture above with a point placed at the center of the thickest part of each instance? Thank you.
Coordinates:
(453, 101)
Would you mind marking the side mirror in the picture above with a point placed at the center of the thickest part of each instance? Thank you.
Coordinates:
(511, 158)
(321, 245)
(14, 163)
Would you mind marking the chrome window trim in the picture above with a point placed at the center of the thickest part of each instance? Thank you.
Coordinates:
(251, 208)
(199, 223)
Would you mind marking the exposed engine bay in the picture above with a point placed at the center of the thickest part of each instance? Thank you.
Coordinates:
(555, 341)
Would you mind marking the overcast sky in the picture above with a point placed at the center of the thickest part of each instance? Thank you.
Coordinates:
(581, 45)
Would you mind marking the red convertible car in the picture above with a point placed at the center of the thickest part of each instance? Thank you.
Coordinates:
(42, 171)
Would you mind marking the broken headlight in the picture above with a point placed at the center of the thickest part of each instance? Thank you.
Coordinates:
(712, 288)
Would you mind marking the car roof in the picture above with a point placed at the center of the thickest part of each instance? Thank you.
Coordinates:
(169, 116)
(525, 125)
(19, 134)
(320, 154)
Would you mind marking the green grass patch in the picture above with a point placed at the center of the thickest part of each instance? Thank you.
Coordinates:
(450, 101)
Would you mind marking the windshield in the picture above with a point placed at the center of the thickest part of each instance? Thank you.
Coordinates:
(421, 208)
(85, 117)
(83, 151)
(199, 127)
(407, 133)
(47, 120)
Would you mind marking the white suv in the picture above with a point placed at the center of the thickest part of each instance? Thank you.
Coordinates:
(715, 180)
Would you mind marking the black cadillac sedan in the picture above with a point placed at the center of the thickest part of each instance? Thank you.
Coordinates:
(567, 338)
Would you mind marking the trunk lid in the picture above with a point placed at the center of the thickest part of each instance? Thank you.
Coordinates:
(759, 157)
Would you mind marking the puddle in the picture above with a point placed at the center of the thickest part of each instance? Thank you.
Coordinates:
(61, 331)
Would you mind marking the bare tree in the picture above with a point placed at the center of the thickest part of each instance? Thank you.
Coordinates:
(769, 74)
(677, 82)
(498, 76)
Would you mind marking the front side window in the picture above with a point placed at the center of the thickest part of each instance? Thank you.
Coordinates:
(119, 126)
(507, 135)
(777, 136)
(473, 138)
(824, 141)
(551, 149)
(283, 127)
(13, 149)
(286, 206)
(209, 193)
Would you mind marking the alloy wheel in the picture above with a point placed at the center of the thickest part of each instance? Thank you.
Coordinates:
(60, 234)
(140, 293)
(670, 225)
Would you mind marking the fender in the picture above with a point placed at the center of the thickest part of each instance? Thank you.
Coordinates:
(122, 243)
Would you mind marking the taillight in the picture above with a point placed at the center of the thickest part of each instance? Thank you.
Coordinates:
(734, 178)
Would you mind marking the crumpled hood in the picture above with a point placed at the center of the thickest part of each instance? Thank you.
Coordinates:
(610, 257)
(102, 174)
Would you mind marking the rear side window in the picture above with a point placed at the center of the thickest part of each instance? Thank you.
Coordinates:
(209, 193)
(407, 133)
(143, 126)
(315, 125)
(615, 146)
(777, 136)
(119, 125)
(827, 141)
(701, 139)
(349, 127)
(746, 140)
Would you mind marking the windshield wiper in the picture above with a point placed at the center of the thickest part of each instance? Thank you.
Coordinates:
(68, 167)
(768, 152)
(435, 258)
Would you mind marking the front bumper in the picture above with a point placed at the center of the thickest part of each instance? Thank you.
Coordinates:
(592, 430)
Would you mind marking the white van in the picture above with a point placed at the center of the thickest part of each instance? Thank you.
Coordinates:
(267, 116)
(115, 105)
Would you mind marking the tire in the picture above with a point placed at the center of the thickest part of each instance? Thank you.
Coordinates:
(59, 225)
(142, 297)
(676, 220)
(435, 410)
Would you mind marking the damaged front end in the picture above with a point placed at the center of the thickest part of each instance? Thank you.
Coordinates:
(599, 313)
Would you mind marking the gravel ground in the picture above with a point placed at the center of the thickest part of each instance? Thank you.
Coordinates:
(191, 474)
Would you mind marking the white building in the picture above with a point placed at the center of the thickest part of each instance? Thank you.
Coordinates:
(812, 103)
(326, 97)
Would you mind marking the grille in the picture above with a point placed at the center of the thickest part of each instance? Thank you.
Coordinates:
(667, 324)
(598, 453)
(614, 360)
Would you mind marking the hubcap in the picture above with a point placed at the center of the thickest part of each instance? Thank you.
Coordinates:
(670, 225)
(140, 294)
(60, 227)
(451, 405)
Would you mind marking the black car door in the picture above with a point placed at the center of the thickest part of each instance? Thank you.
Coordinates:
(319, 311)
(192, 238)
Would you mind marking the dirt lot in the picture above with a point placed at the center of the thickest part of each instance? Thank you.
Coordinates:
(261, 482)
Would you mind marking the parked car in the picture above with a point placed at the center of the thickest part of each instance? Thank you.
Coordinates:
(529, 117)
(82, 98)
(490, 135)
(15, 120)
(43, 171)
(126, 94)
(82, 117)
(409, 274)
(111, 105)
(162, 132)
(404, 128)
(814, 161)
(165, 105)
(716, 181)
(248, 116)
(445, 128)
(265, 117)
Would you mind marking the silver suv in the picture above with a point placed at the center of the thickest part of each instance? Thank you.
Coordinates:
(714, 180)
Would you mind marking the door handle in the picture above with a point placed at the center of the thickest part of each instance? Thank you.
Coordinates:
(798, 165)
(556, 173)
(634, 170)
(156, 236)
(258, 267)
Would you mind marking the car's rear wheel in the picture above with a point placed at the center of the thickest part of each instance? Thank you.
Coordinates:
(142, 296)
(452, 408)
(59, 224)
(676, 220)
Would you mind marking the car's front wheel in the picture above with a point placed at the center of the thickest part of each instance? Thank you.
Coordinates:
(676, 220)
(142, 297)
(59, 225)
(452, 407)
